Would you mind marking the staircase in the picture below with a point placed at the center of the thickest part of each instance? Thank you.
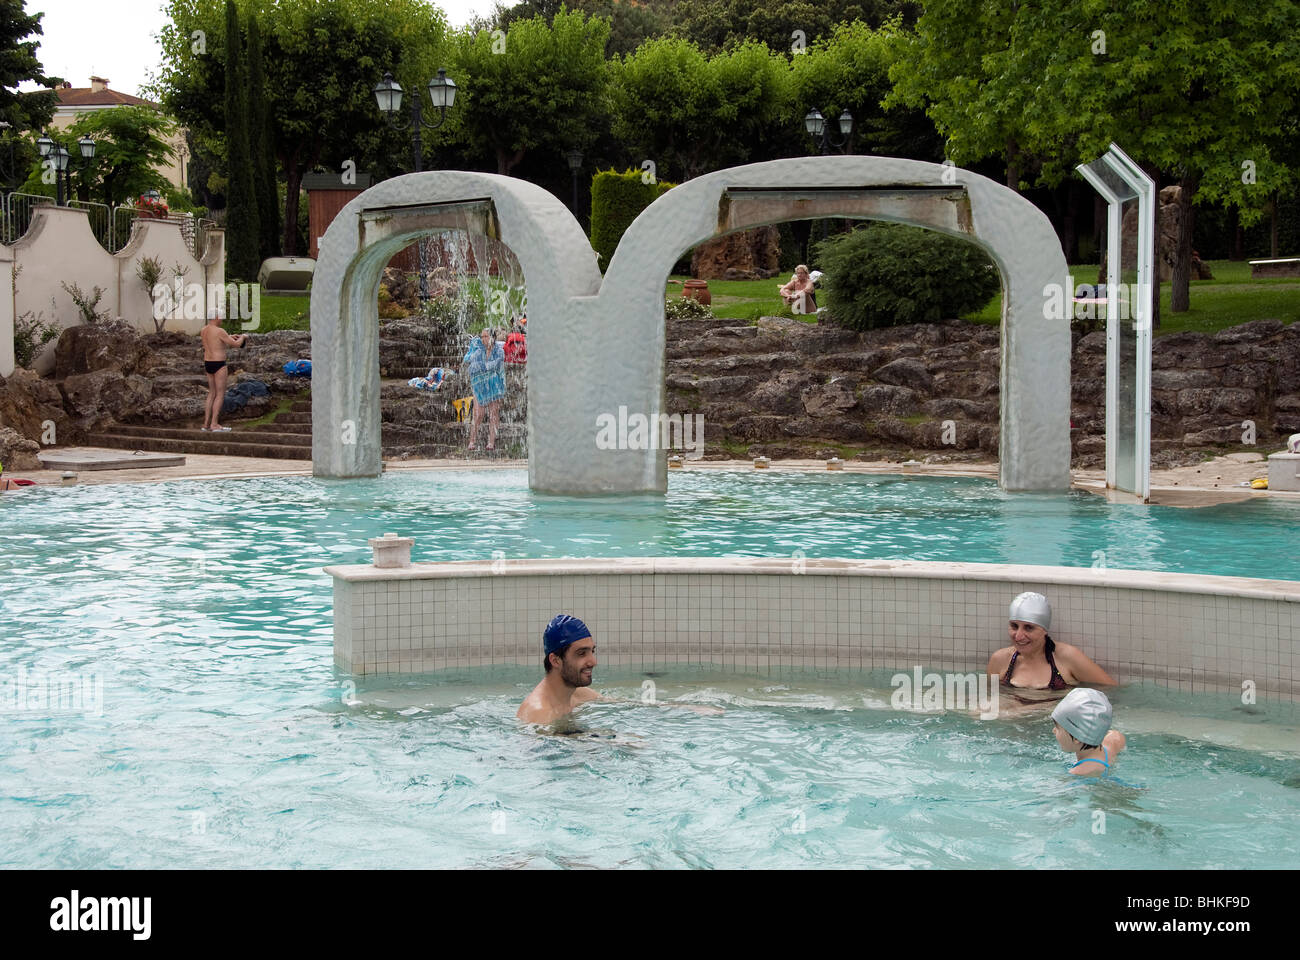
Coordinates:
(288, 438)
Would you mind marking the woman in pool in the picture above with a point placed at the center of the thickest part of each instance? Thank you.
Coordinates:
(1034, 661)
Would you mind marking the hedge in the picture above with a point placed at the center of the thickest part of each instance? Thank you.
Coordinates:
(616, 200)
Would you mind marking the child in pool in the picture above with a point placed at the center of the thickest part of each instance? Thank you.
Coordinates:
(1081, 722)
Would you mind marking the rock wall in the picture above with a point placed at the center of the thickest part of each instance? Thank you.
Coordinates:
(781, 387)
(744, 255)
(788, 389)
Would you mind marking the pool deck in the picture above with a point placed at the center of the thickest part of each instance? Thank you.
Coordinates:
(1215, 481)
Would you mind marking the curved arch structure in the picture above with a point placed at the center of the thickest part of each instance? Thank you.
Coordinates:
(599, 346)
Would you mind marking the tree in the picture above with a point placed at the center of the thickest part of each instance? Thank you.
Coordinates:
(18, 64)
(849, 70)
(691, 114)
(631, 22)
(243, 229)
(262, 144)
(539, 87)
(1197, 90)
(130, 142)
(715, 25)
(322, 59)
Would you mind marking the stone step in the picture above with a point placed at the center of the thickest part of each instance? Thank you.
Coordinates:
(281, 427)
(200, 436)
(213, 447)
(300, 406)
(293, 416)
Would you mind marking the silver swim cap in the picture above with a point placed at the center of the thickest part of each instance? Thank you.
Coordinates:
(1085, 715)
(1032, 608)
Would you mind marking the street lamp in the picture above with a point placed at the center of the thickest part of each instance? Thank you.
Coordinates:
(824, 140)
(58, 154)
(819, 130)
(442, 94)
(575, 164)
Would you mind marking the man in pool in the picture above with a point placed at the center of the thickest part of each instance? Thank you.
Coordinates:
(569, 657)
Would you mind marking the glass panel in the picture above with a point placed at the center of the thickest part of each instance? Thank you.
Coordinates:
(1126, 423)
(1102, 169)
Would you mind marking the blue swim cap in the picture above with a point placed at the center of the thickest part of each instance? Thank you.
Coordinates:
(562, 631)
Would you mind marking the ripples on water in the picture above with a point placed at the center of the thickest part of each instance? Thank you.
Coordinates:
(224, 740)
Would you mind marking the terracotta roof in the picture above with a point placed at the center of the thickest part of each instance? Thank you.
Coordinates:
(89, 97)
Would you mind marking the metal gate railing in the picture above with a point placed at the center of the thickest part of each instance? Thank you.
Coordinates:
(16, 209)
(113, 227)
(100, 220)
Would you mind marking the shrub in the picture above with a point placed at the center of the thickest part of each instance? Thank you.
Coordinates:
(87, 303)
(686, 308)
(150, 271)
(886, 274)
(616, 200)
(31, 333)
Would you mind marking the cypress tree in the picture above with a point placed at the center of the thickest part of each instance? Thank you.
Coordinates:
(243, 246)
(262, 143)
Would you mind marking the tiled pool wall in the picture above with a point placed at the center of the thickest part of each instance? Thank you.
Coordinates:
(1187, 632)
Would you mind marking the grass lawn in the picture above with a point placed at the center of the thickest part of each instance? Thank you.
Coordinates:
(742, 299)
(1232, 297)
(278, 313)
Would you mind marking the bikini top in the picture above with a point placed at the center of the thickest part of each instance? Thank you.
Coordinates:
(1056, 683)
(1105, 763)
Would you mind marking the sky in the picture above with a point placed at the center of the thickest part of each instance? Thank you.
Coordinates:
(118, 39)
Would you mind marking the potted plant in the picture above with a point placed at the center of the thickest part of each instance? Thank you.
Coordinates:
(151, 206)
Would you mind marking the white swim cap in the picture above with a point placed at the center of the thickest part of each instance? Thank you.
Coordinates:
(1085, 715)
(1032, 608)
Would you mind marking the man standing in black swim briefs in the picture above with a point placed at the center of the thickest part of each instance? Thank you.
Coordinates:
(215, 340)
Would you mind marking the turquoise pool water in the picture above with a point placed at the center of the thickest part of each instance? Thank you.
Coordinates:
(224, 736)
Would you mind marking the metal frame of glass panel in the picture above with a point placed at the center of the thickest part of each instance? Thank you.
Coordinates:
(1118, 179)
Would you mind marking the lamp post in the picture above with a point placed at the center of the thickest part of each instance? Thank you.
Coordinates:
(824, 140)
(442, 93)
(57, 154)
(575, 164)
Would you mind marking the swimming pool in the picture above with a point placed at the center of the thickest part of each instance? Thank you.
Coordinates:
(224, 738)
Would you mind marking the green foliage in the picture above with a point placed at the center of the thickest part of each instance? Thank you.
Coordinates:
(631, 22)
(724, 24)
(19, 64)
(539, 88)
(130, 143)
(1191, 89)
(182, 201)
(243, 236)
(31, 332)
(885, 274)
(616, 200)
(87, 303)
(691, 114)
(685, 308)
(262, 147)
(849, 70)
(322, 59)
(150, 270)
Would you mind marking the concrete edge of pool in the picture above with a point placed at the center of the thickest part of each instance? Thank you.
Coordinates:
(1196, 633)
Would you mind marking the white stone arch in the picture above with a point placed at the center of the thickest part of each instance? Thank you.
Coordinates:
(597, 346)
(554, 253)
(1034, 449)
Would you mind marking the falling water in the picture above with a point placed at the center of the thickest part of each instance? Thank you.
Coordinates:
(473, 281)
